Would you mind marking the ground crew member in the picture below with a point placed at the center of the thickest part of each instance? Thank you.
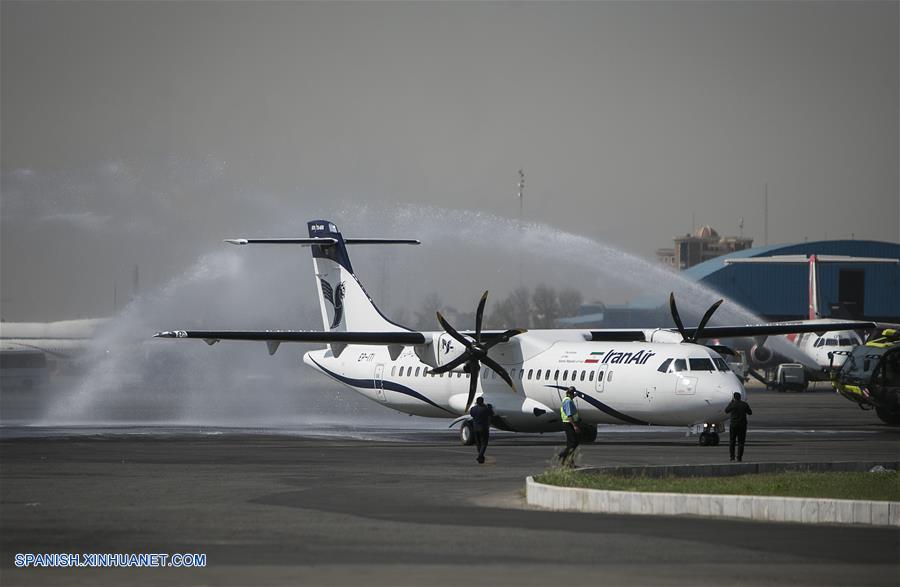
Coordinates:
(568, 413)
(739, 411)
(481, 425)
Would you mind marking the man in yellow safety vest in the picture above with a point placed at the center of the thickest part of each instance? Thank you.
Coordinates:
(568, 413)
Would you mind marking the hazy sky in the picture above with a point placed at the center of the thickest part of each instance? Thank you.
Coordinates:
(143, 133)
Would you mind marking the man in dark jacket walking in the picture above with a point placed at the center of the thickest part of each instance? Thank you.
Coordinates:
(739, 411)
(481, 425)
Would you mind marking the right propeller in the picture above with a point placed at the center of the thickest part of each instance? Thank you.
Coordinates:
(699, 330)
(476, 353)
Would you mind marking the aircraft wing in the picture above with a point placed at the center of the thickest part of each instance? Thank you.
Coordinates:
(774, 328)
(279, 336)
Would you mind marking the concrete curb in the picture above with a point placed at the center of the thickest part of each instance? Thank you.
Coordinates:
(771, 509)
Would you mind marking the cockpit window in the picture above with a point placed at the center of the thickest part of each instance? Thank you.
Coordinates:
(721, 365)
(819, 342)
(831, 342)
(845, 342)
(680, 365)
(665, 366)
(701, 365)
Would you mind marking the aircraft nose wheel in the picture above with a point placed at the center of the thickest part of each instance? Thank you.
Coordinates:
(467, 434)
(710, 435)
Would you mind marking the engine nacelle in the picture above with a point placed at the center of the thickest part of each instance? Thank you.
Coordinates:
(761, 356)
(440, 350)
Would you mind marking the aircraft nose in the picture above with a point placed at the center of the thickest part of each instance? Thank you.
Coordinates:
(723, 393)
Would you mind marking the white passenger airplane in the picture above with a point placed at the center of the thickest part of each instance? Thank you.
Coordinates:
(639, 377)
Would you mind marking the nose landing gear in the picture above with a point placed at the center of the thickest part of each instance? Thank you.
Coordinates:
(710, 435)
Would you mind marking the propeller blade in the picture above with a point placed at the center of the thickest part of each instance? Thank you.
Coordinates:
(496, 368)
(452, 332)
(676, 317)
(479, 316)
(473, 383)
(504, 337)
(452, 364)
(712, 309)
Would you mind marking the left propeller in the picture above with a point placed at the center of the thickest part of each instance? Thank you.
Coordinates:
(476, 353)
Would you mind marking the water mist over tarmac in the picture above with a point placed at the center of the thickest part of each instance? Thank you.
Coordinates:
(133, 379)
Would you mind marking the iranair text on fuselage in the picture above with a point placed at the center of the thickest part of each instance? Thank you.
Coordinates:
(615, 357)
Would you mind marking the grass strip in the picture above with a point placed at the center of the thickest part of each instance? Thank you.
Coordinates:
(836, 485)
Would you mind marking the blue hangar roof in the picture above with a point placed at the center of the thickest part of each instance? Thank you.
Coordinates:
(779, 291)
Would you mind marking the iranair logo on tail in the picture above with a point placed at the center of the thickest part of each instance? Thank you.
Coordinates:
(446, 345)
(335, 297)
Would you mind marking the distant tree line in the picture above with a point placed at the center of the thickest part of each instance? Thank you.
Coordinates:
(522, 308)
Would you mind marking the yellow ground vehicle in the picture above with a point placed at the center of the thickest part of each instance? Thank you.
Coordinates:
(871, 376)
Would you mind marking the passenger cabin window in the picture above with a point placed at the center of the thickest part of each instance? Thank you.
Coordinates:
(591, 376)
(582, 376)
(701, 365)
(680, 365)
(547, 375)
(665, 366)
(393, 370)
(530, 373)
(556, 375)
(417, 371)
(566, 374)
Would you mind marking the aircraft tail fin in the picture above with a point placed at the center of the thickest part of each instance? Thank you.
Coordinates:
(814, 288)
(343, 301)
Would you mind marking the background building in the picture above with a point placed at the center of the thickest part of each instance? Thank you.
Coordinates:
(779, 291)
(703, 245)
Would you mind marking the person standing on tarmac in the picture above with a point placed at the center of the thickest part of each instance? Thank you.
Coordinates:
(568, 413)
(739, 411)
(481, 425)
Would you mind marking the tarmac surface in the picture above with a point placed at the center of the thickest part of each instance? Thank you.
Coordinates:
(356, 505)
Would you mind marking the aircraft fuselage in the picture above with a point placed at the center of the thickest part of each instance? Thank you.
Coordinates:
(669, 384)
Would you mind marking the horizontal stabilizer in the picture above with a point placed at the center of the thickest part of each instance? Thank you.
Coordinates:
(381, 241)
(271, 336)
(321, 240)
(315, 240)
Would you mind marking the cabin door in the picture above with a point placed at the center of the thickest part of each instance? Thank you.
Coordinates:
(379, 383)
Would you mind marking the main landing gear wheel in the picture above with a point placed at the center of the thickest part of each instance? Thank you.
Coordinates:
(467, 434)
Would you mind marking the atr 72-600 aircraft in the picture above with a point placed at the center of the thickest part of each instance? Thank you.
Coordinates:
(638, 377)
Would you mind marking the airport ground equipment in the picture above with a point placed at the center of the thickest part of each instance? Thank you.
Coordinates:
(870, 376)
